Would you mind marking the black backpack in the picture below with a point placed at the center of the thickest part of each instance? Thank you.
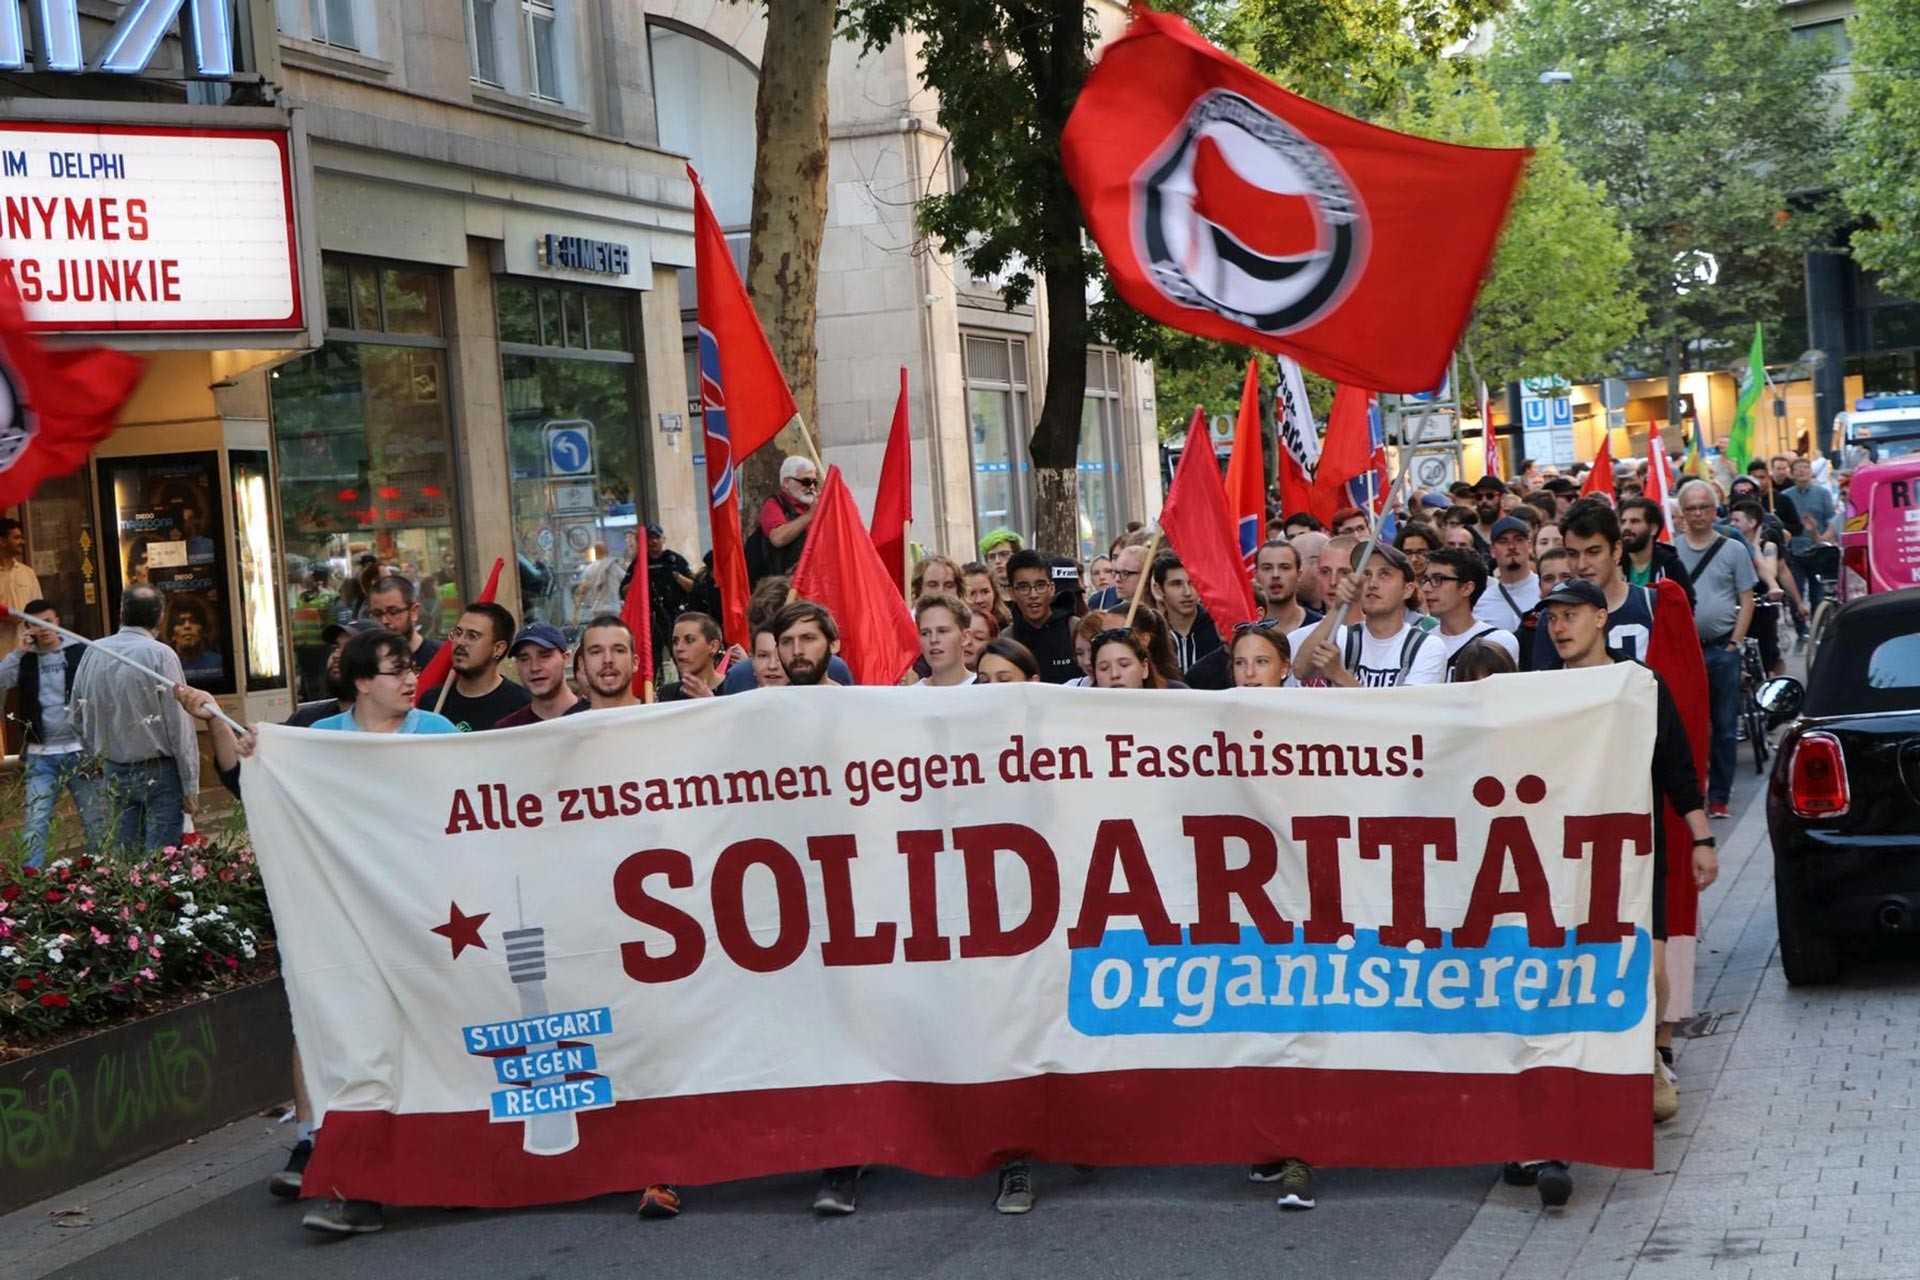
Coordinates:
(764, 560)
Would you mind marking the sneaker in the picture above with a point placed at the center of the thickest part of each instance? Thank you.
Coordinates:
(1016, 1188)
(1516, 1174)
(1266, 1172)
(345, 1217)
(286, 1183)
(1296, 1186)
(839, 1193)
(660, 1201)
(1719, 809)
(1555, 1183)
(1666, 1094)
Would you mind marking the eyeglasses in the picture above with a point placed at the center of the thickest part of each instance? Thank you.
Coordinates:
(1435, 579)
(1265, 624)
(808, 482)
(1112, 634)
(1032, 588)
(400, 673)
(1121, 575)
(398, 611)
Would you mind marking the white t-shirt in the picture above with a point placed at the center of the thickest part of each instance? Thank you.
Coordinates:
(1378, 666)
(1480, 631)
(1493, 606)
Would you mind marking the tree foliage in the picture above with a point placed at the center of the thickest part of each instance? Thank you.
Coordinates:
(1558, 298)
(1880, 166)
(1712, 133)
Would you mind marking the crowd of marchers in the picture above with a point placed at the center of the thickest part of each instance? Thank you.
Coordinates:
(1467, 584)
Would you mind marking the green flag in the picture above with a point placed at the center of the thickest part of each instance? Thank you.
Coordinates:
(1740, 439)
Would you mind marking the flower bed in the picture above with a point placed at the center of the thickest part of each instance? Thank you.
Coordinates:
(89, 941)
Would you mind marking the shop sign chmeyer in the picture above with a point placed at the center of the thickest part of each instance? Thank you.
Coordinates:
(114, 227)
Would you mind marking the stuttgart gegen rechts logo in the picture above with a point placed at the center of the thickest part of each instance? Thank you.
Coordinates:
(1240, 213)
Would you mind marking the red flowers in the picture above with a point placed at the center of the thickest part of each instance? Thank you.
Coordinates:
(54, 895)
(9, 893)
(53, 1000)
(25, 984)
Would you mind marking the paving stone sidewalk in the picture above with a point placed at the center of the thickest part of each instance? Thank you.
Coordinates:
(1797, 1147)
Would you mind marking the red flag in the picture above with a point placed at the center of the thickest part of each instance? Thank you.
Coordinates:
(1231, 208)
(440, 665)
(1199, 525)
(1247, 470)
(1599, 482)
(56, 403)
(1489, 442)
(1660, 479)
(893, 501)
(841, 569)
(637, 612)
(744, 402)
(1345, 454)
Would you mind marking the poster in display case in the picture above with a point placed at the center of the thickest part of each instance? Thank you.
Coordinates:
(167, 527)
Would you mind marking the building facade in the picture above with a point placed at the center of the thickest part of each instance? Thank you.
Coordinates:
(414, 284)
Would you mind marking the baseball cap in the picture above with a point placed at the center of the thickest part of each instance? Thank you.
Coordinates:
(1460, 489)
(1437, 501)
(1066, 573)
(544, 634)
(1489, 484)
(654, 530)
(1509, 524)
(334, 630)
(1575, 591)
(1560, 484)
(1396, 558)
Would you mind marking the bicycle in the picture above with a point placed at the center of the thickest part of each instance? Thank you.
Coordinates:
(1753, 717)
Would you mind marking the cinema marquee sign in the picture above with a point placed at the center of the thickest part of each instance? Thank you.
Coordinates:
(110, 228)
(206, 31)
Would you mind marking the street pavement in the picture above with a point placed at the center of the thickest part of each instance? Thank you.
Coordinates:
(1786, 1158)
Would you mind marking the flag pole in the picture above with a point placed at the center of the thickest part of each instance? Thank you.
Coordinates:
(1146, 571)
(906, 562)
(158, 678)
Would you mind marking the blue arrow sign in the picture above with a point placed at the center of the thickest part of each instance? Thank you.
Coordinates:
(569, 451)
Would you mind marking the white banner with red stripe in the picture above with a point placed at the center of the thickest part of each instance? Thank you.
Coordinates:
(800, 928)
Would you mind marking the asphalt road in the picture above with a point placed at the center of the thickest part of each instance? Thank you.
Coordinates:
(1110, 1225)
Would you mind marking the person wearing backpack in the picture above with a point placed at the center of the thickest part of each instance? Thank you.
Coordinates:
(781, 534)
(1384, 650)
(1453, 583)
(1723, 583)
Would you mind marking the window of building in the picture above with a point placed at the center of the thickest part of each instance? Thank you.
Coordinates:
(1102, 460)
(999, 415)
(573, 442)
(704, 98)
(483, 42)
(543, 63)
(366, 463)
(1835, 34)
(344, 24)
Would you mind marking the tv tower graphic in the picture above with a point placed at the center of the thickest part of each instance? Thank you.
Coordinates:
(554, 1132)
(542, 1056)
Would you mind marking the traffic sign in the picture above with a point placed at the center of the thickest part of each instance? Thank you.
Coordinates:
(570, 449)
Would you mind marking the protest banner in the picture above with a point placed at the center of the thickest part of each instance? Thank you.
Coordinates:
(802, 928)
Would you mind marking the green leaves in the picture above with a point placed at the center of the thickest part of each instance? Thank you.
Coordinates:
(1880, 166)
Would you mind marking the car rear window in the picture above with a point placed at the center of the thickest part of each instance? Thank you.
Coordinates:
(1868, 663)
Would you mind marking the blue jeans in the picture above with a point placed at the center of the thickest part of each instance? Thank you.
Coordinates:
(47, 776)
(1723, 704)
(146, 799)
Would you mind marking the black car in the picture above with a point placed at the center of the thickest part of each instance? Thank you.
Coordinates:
(1843, 806)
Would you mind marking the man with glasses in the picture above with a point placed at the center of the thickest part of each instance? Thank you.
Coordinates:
(1723, 583)
(481, 697)
(393, 604)
(1047, 634)
(996, 549)
(378, 667)
(1129, 565)
(1452, 585)
(784, 520)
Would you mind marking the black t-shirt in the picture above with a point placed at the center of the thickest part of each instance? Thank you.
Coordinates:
(309, 714)
(1051, 645)
(473, 715)
(424, 654)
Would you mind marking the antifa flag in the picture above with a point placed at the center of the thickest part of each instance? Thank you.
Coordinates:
(1228, 207)
(55, 403)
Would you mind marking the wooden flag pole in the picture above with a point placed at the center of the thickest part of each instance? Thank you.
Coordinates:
(1146, 571)
(906, 563)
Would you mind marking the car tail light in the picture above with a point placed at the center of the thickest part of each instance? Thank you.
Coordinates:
(1817, 777)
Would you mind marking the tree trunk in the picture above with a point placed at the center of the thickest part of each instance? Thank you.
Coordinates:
(789, 216)
(1055, 445)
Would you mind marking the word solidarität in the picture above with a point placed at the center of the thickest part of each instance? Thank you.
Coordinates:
(490, 807)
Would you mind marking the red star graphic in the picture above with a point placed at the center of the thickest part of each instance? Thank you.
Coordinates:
(462, 930)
